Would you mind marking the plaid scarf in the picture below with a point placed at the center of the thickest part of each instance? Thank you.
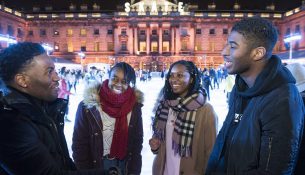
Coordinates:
(184, 124)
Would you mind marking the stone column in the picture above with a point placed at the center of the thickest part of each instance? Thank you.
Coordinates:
(135, 32)
(117, 45)
(172, 45)
(178, 41)
(148, 40)
(130, 39)
(160, 39)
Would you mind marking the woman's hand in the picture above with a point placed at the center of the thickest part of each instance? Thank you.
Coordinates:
(154, 144)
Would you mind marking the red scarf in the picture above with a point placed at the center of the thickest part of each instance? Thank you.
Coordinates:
(118, 106)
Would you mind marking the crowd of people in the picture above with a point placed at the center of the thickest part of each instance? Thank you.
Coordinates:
(262, 132)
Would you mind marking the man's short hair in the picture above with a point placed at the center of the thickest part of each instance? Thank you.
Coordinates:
(16, 57)
(258, 32)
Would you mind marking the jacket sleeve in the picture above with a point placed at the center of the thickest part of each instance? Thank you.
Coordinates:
(281, 127)
(81, 140)
(220, 139)
(22, 152)
(210, 132)
(135, 160)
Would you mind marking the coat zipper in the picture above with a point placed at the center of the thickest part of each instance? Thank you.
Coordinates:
(96, 121)
(56, 131)
(269, 155)
(56, 134)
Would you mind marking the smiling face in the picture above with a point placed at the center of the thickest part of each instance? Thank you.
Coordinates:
(180, 80)
(237, 55)
(40, 79)
(117, 82)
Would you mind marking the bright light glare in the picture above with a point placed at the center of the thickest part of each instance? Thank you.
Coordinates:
(47, 47)
(81, 54)
(292, 38)
(8, 39)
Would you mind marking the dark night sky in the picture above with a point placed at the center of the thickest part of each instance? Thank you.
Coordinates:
(280, 5)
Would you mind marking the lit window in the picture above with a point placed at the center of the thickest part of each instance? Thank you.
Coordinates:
(184, 45)
(70, 46)
(69, 32)
(142, 46)
(110, 46)
(198, 46)
(83, 32)
(212, 46)
(165, 46)
(96, 47)
(154, 46)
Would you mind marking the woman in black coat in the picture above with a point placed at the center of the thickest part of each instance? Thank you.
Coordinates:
(108, 129)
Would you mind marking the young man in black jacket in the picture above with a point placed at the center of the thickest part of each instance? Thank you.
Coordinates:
(263, 128)
(32, 140)
(298, 72)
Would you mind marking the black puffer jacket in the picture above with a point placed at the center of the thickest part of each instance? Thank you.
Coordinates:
(32, 140)
(267, 138)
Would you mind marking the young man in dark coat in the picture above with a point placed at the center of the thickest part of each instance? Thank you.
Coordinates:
(263, 128)
(32, 140)
(298, 71)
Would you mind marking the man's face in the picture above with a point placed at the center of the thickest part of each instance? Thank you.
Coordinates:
(237, 54)
(117, 82)
(180, 80)
(41, 78)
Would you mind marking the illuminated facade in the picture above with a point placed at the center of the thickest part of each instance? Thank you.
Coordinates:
(147, 35)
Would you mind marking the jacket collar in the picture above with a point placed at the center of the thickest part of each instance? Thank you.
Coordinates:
(33, 108)
(273, 75)
(92, 98)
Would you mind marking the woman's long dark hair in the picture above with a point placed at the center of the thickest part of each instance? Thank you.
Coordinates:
(195, 85)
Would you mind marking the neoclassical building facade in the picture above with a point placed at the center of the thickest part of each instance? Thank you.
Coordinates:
(149, 35)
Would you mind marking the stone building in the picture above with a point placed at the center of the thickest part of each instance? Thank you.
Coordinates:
(147, 34)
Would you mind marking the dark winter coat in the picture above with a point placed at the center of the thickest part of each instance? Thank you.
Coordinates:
(87, 143)
(300, 168)
(32, 140)
(267, 138)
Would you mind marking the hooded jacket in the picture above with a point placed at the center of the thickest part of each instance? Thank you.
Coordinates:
(32, 140)
(87, 142)
(267, 138)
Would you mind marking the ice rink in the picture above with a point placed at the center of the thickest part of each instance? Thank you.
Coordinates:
(150, 89)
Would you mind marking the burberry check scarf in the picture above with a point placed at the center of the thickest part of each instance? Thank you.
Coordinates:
(184, 124)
